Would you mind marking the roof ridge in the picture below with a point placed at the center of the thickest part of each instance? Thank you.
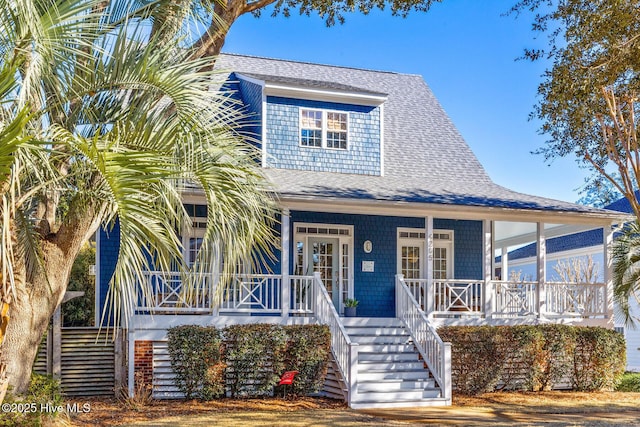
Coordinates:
(320, 64)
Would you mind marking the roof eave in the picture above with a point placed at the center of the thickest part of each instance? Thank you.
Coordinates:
(417, 209)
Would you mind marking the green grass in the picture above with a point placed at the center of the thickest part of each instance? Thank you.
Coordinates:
(630, 382)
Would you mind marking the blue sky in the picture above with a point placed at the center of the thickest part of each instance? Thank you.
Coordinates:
(465, 50)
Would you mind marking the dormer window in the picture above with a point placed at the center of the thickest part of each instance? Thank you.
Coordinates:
(323, 129)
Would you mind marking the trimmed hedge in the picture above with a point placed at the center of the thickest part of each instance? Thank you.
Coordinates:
(255, 358)
(195, 353)
(247, 360)
(308, 348)
(540, 357)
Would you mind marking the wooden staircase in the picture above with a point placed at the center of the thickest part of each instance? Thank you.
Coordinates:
(390, 373)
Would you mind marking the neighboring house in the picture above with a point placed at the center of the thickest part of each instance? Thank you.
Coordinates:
(383, 201)
(581, 247)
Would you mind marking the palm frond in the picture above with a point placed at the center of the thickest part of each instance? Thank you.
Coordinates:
(626, 269)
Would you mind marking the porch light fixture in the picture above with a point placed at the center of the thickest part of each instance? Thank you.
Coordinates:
(368, 246)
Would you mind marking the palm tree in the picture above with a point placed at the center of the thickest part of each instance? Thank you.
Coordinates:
(124, 121)
(626, 269)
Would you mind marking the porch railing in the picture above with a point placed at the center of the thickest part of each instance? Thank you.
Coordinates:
(166, 291)
(252, 294)
(344, 350)
(301, 294)
(508, 299)
(461, 296)
(515, 298)
(448, 296)
(162, 291)
(435, 352)
(576, 299)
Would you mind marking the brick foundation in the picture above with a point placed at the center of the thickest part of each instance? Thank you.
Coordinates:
(143, 363)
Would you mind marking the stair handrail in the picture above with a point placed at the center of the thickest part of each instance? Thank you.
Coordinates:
(434, 351)
(344, 350)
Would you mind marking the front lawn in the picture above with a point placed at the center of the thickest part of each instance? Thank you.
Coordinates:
(491, 410)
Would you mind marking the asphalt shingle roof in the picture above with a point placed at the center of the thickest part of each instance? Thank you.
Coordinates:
(313, 84)
(426, 159)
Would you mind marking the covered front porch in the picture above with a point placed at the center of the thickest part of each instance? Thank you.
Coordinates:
(410, 273)
(457, 269)
(445, 301)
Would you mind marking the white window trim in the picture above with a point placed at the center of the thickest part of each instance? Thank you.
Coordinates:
(437, 243)
(324, 130)
(342, 238)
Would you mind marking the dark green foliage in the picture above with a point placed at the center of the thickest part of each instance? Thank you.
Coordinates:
(487, 358)
(81, 311)
(630, 382)
(195, 353)
(307, 352)
(248, 360)
(592, 44)
(332, 11)
(471, 348)
(626, 274)
(559, 343)
(44, 391)
(255, 358)
(599, 359)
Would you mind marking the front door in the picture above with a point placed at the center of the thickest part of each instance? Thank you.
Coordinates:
(324, 257)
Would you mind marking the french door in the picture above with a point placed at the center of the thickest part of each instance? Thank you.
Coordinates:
(326, 249)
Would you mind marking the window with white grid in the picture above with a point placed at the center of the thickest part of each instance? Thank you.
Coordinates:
(324, 129)
(311, 128)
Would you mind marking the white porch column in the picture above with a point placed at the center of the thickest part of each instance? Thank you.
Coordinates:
(542, 269)
(428, 268)
(608, 273)
(284, 261)
(504, 261)
(487, 230)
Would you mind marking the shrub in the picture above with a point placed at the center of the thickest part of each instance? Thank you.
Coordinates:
(523, 364)
(307, 352)
(630, 382)
(473, 347)
(486, 358)
(247, 360)
(43, 390)
(599, 359)
(557, 355)
(195, 353)
(255, 358)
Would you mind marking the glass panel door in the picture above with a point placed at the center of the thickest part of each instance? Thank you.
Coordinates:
(323, 255)
(411, 261)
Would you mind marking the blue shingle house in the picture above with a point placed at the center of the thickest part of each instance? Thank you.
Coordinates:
(382, 201)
